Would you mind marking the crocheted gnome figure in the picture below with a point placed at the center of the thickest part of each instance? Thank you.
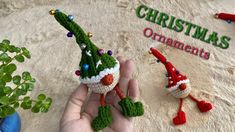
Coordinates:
(99, 71)
(179, 87)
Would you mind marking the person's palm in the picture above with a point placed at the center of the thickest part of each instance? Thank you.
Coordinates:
(73, 120)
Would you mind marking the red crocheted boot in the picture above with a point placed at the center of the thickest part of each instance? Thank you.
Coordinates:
(204, 106)
(180, 118)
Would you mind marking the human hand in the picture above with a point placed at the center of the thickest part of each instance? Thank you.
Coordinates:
(76, 120)
(11, 123)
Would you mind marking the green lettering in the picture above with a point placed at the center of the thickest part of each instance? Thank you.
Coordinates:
(213, 38)
(179, 25)
(190, 26)
(224, 42)
(138, 10)
(162, 19)
(151, 15)
(172, 20)
(200, 34)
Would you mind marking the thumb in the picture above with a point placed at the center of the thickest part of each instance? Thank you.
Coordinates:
(11, 123)
(73, 108)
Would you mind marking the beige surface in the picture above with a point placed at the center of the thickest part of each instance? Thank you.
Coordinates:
(115, 25)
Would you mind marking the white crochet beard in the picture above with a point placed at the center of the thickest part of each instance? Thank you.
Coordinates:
(94, 83)
(102, 89)
(97, 78)
(177, 93)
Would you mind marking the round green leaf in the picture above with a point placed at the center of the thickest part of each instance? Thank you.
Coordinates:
(4, 57)
(8, 110)
(13, 98)
(2, 93)
(19, 58)
(7, 90)
(44, 109)
(11, 48)
(26, 99)
(2, 83)
(46, 105)
(41, 97)
(31, 86)
(26, 76)
(16, 79)
(16, 105)
(19, 92)
(17, 49)
(48, 101)
(7, 77)
(6, 41)
(35, 109)
(25, 87)
(33, 80)
(24, 92)
(26, 105)
(26, 53)
(10, 68)
(4, 100)
(2, 114)
(3, 47)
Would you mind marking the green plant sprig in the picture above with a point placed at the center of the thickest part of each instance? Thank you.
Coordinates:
(12, 98)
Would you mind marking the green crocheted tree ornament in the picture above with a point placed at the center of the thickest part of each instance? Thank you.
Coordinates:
(99, 71)
(131, 109)
(93, 59)
(103, 119)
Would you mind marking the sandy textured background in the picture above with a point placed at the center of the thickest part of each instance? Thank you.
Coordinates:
(115, 25)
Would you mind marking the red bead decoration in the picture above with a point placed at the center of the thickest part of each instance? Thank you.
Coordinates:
(100, 51)
(78, 72)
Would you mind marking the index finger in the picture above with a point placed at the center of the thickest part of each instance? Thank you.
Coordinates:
(126, 75)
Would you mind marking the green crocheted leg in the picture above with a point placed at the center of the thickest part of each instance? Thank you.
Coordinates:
(131, 109)
(103, 119)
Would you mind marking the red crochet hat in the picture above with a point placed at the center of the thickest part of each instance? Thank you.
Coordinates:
(179, 87)
(174, 77)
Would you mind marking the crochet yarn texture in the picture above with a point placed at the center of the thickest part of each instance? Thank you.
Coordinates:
(99, 71)
(179, 86)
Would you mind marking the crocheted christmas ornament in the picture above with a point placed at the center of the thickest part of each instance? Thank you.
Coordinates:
(225, 16)
(179, 86)
(99, 71)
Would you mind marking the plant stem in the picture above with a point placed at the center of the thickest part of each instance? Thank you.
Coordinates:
(18, 100)
(17, 87)
(13, 58)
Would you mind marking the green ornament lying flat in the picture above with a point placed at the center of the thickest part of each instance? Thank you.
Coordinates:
(99, 71)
